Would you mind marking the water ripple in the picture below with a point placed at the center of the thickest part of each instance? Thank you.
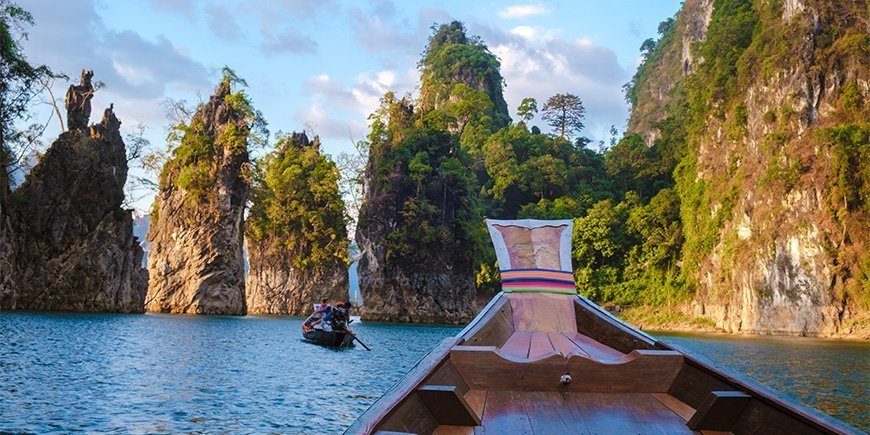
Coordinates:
(61, 373)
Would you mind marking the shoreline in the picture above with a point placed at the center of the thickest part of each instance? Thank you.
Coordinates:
(673, 319)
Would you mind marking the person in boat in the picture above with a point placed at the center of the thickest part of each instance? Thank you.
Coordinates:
(327, 326)
(322, 311)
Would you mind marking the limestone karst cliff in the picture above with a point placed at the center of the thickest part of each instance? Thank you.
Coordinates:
(6, 285)
(68, 243)
(766, 103)
(296, 233)
(195, 261)
(420, 222)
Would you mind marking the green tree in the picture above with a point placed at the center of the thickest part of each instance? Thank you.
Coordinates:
(565, 113)
(20, 82)
(296, 204)
(527, 109)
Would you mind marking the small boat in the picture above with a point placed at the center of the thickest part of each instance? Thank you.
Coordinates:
(539, 358)
(335, 334)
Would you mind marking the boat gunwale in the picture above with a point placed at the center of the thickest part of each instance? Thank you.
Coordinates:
(373, 416)
(763, 393)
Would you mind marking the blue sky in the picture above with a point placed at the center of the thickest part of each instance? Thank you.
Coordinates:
(324, 64)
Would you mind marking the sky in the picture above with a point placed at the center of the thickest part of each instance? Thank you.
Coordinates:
(322, 65)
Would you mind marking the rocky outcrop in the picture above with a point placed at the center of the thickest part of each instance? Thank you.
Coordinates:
(6, 286)
(72, 242)
(776, 162)
(668, 68)
(296, 233)
(275, 286)
(195, 261)
(442, 292)
(417, 225)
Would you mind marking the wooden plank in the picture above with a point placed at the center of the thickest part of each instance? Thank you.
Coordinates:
(477, 400)
(641, 371)
(448, 406)
(540, 346)
(594, 349)
(720, 410)
(595, 322)
(454, 430)
(759, 417)
(684, 411)
(606, 414)
(567, 408)
(505, 414)
(518, 345)
(543, 312)
(411, 415)
(702, 375)
(564, 346)
(388, 403)
(491, 327)
(446, 374)
(655, 417)
(543, 412)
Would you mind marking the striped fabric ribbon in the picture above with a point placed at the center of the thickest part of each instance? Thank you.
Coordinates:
(537, 280)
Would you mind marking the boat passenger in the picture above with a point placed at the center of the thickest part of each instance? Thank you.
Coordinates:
(323, 310)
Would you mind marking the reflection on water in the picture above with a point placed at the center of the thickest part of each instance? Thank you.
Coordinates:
(147, 373)
(832, 376)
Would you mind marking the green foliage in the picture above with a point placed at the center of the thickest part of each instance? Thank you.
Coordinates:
(194, 150)
(297, 205)
(451, 58)
(565, 113)
(730, 32)
(20, 81)
(850, 166)
(426, 174)
(527, 109)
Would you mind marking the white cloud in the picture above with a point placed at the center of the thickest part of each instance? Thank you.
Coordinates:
(138, 73)
(287, 41)
(538, 64)
(520, 11)
(338, 112)
(524, 31)
(222, 22)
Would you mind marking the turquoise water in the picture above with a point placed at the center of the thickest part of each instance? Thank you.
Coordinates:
(147, 373)
(832, 376)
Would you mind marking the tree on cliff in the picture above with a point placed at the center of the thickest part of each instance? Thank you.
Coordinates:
(527, 109)
(19, 82)
(565, 113)
(195, 264)
(296, 203)
(296, 230)
(452, 58)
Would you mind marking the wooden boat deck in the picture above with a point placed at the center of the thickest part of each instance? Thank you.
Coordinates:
(549, 412)
(504, 374)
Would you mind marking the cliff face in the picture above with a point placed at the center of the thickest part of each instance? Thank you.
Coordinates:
(774, 182)
(441, 292)
(72, 244)
(6, 285)
(275, 286)
(195, 262)
(420, 223)
(296, 234)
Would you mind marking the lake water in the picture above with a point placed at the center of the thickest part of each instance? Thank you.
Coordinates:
(147, 373)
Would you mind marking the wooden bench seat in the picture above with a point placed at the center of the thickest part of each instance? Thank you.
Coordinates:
(534, 345)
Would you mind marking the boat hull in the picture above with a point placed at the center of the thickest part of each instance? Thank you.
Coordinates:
(328, 338)
(547, 363)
